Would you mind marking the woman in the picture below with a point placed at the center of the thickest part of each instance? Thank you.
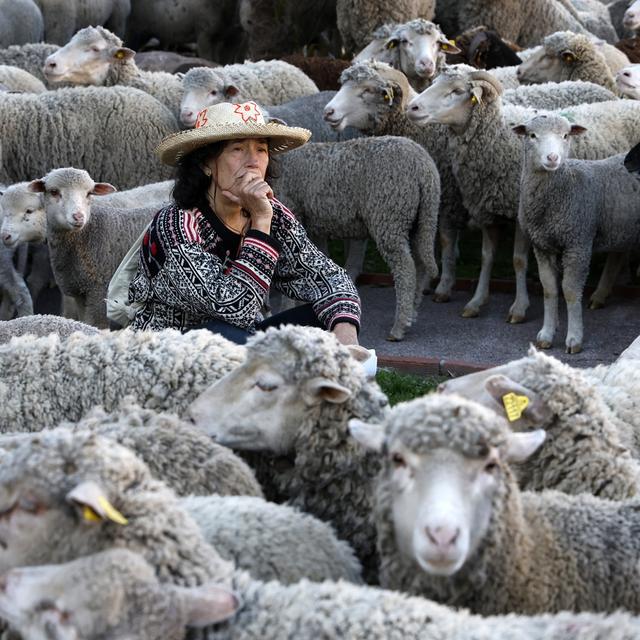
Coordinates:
(209, 258)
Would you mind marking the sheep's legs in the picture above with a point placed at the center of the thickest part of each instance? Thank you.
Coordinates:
(548, 272)
(403, 268)
(521, 245)
(448, 244)
(608, 278)
(490, 235)
(575, 272)
(354, 264)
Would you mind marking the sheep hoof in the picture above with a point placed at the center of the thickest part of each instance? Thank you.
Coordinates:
(514, 318)
(576, 348)
(441, 297)
(543, 344)
(470, 313)
(392, 338)
(596, 304)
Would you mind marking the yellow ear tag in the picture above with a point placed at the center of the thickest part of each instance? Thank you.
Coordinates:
(390, 45)
(474, 100)
(514, 405)
(90, 515)
(445, 47)
(113, 514)
(119, 55)
(388, 96)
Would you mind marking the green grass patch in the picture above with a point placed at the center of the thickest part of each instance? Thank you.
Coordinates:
(404, 386)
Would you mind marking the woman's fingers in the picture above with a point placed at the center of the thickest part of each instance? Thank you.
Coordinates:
(230, 196)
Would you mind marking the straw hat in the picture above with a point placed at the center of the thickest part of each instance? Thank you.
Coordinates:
(226, 121)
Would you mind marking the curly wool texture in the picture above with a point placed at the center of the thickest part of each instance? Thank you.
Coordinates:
(552, 95)
(330, 474)
(46, 380)
(21, 22)
(53, 463)
(542, 552)
(273, 542)
(42, 325)
(13, 285)
(36, 138)
(16, 79)
(28, 57)
(176, 452)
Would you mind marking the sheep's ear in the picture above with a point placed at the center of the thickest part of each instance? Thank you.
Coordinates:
(319, 390)
(476, 94)
(93, 503)
(520, 446)
(231, 90)
(568, 57)
(123, 53)
(517, 401)
(358, 353)
(207, 604)
(520, 130)
(179, 75)
(370, 436)
(391, 43)
(448, 46)
(102, 189)
(577, 130)
(37, 186)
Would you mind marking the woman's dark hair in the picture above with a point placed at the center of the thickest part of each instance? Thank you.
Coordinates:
(191, 181)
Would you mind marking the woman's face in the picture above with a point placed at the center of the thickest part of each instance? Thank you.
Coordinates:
(239, 157)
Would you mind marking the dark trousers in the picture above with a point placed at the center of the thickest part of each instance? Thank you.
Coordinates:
(303, 315)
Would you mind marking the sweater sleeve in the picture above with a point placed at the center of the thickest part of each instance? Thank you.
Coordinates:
(305, 273)
(190, 278)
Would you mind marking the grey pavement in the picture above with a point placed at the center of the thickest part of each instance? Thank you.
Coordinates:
(440, 332)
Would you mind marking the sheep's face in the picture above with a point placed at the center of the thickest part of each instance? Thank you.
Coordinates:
(380, 50)
(24, 218)
(544, 66)
(202, 88)
(85, 60)
(628, 81)
(631, 18)
(257, 408)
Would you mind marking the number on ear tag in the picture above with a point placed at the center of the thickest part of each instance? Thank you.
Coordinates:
(514, 405)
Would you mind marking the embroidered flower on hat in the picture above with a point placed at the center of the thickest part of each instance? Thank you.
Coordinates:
(248, 111)
(201, 121)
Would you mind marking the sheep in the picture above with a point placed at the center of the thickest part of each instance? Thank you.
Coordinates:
(42, 325)
(95, 56)
(271, 541)
(16, 296)
(133, 602)
(552, 95)
(594, 15)
(62, 21)
(266, 82)
(323, 71)
(628, 81)
(631, 19)
(526, 24)
(84, 127)
(567, 56)
(86, 242)
(64, 379)
(169, 61)
(15, 79)
(21, 22)
(404, 229)
(453, 525)
(292, 399)
(376, 48)
(153, 194)
(29, 57)
(480, 125)
(630, 47)
(589, 447)
(484, 49)
(357, 19)
(570, 208)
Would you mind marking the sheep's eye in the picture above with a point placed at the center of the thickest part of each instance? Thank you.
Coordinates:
(96, 49)
(565, 136)
(458, 91)
(54, 192)
(404, 41)
(28, 504)
(29, 211)
(266, 386)
(214, 92)
(532, 136)
(491, 466)
(398, 461)
(45, 605)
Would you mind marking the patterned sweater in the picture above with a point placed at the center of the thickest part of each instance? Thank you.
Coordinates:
(192, 269)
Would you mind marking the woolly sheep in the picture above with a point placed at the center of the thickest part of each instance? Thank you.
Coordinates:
(84, 127)
(46, 380)
(265, 82)
(293, 398)
(323, 70)
(552, 95)
(169, 61)
(570, 208)
(631, 20)
(62, 21)
(588, 449)
(357, 19)
(271, 541)
(484, 49)
(479, 125)
(15, 79)
(594, 15)
(404, 229)
(376, 48)
(95, 56)
(13, 288)
(29, 57)
(628, 81)
(454, 527)
(20, 23)
(42, 325)
(132, 602)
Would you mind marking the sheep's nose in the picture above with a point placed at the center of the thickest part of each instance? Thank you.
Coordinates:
(50, 65)
(78, 216)
(414, 107)
(552, 157)
(626, 74)
(328, 112)
(442, 537)
(518, 72)
(6, 237)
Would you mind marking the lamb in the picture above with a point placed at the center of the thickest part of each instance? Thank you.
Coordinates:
(628, 81)
(271, 541)
(42, 325)
(403, 229)
(631, 19)
(29, 57)
(292, 398)
(357, 19)
(21, 22)
(62, 21)
(84, 127)
(46, 380)
(454, 527)
(556, 196)
(133, 601)
(86, 242)
(589, 448)
(479, 124)
(15, 79)
(95, 56)
(567, 56)
(265, 82)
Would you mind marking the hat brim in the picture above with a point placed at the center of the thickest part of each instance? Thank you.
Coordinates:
(281, 138)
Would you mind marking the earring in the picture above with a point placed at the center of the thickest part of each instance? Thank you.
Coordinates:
(208, 173)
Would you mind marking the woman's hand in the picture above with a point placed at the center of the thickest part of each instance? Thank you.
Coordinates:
(253, 194)
(345, 332)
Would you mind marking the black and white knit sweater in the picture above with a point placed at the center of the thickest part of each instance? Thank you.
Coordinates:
(192, 269)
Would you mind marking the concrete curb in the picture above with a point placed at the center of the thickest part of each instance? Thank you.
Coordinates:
(430, 366)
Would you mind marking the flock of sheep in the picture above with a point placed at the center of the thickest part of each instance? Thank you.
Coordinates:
(162, 486)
